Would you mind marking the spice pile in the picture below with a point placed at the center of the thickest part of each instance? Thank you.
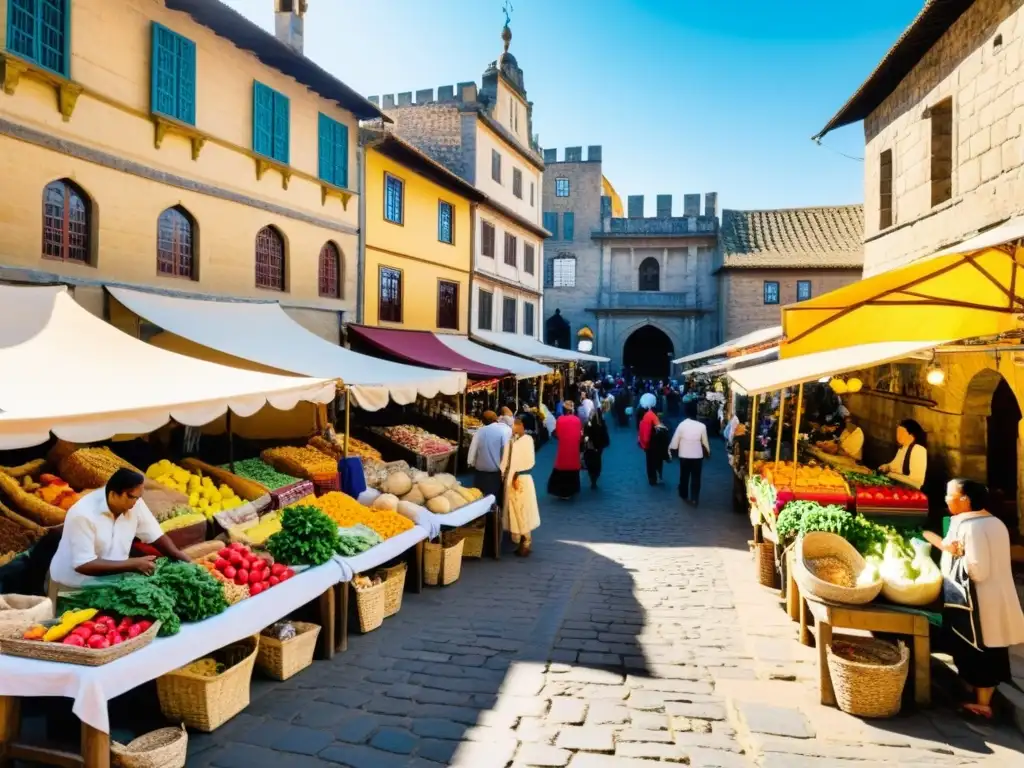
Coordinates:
(345, 512)
(302, 462)
(833, 570)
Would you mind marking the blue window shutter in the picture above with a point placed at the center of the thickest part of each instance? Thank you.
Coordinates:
(551, 224)
(163, 99)
(186, 102)
(262, 119)
(568, 225)
(282, 118)
(325, 148)
(22, 32)
(341, 154)
(40, 31)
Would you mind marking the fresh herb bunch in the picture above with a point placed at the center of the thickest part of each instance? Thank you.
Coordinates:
(792, 515)
(133, 595)
(197, 595)
(865, 536)
(307, 537)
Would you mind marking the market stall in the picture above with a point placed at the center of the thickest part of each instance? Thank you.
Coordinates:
(529, 347)
(764, 336)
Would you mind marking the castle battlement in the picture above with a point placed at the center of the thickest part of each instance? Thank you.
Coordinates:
(663, 209)
(574, 155)
(461, 93)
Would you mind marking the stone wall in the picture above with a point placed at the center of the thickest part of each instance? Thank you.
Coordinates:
(436, 129)
(977, 63)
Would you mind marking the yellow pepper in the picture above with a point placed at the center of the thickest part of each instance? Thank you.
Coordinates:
(68, 622)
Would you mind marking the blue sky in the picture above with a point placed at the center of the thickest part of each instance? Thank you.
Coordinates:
(683, 95)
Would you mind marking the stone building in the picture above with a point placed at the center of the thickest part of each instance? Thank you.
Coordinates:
(772, 258)
(485, 136)
(198, 156)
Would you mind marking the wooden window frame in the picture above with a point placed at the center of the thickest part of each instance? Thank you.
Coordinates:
(517, 183)
(529, 258)
(280, 132)
(554, 271)
(173, 256)
(487, 228)
(810, 290)
(885, 184)
(942, 150)
(69, 191)
(559, 186)
(479, 310)
(332, 151)
(441, 282)
(339, 272)
(184, 111)
(778, 293)
(514, 241)
(496, 166)
(569, 226)
(529, 313)
(13, 34)
(656, 272)
(283, 287)
(388, 177)
(380, 294)
(515, 314)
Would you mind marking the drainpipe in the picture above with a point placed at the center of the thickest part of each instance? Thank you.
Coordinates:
(472, 263)
(361, 261)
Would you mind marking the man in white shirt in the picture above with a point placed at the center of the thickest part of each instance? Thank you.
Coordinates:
(690, 443)
(484, 456)
(99, 530)
(586, 408)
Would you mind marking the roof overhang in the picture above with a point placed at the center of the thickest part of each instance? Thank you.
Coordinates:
(390, 145)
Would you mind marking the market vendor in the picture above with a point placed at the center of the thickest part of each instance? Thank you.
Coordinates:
(849, 442)
(910, 464)
(98, 533)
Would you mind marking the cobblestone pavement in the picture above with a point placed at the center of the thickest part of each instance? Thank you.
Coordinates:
(635, 633)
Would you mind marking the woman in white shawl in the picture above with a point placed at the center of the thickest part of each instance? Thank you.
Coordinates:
(521, 513)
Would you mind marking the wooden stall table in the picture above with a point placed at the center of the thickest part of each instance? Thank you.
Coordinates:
(873, 617)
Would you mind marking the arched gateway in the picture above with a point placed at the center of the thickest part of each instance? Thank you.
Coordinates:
(648, 352)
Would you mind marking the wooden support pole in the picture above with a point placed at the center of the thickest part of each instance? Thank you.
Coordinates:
(796, 422)
(778, 434)
(460, 406)
(231, 441)
(753, 435)
(348, 422)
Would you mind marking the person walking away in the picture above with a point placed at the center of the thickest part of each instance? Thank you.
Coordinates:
(506, 418)
(565, 477)
(982, 614)
(586, 408)
(595, 440)
(646, 434)
(690, 443)
(521, 512)
(484, 456)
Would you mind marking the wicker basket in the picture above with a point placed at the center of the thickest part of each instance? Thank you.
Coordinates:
(370, 603)
(450, 547)
(246, 489)
(814, 545)
(869, 688)
(473, 538)
(289, 494)
(764, 561)
(394, 588)
(165, 748)
(281, 659)
(11, 644)
(206, 703)
(325, 483)
(20, 611)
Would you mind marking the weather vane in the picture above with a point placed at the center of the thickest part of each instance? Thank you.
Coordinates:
(507, 9)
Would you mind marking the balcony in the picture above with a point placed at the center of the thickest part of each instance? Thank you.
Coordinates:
(678, 226)
(648, 302)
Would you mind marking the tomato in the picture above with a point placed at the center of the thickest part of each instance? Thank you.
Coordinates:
(90, 625)
(273, 581)
(255, 589)
(277, 569)
(135, 630)
(221, 564)
(98, 642)
(76, 640)
(242, 577)
(83, 632)
(145, 624)
(230, 572)
(236, 559)
(115, 638)
(236, 545)
(224, 552)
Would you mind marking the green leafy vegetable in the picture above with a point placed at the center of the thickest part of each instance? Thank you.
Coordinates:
(307, 537)
(261, 472)
(133, 595)
(197, 595)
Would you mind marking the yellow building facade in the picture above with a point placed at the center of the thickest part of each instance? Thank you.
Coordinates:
(172, 144)
(418, 239)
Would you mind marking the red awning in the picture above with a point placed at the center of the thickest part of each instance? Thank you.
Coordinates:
(424, 348)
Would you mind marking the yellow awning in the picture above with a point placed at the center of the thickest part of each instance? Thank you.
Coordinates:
(973, 289)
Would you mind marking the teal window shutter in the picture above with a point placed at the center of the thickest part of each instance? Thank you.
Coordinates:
(282, 119)
(325, 148)
(333, 151)
(551, 224)
(186, 101)
(568, 225)
(40, 31)
(262, 119)
(173, 87)
(341, 154)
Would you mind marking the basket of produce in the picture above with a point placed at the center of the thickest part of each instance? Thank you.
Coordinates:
(185, 529)
(335, 446)
(286, 648)
(237, 564)
(827, 566)
(446, 555)
(301, 462)
(764, 562)
(370, 602)
(20, 611)
(45, 504)
(256, 532)
(85, 468)
(201, 491)
(325, 482)
(290, 494)
(163, 748)
(473, 537)
(394, 588)
(210, 691)
(868, 675)
(246, 488)
(261, 473)
(85, 637)
(17, 533)
(909, 575)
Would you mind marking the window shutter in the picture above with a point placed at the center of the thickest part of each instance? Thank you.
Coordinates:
(163, 99)
(22, 35)
(568, 225)
(340, 154)
(549, 273)
(325, 151)
(262, 119)
(186, 102)
(282, 119)
(52, 25)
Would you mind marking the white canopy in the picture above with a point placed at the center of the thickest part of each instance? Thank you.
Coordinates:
(263, 333)
(740, 361)
(762, 336)
(521, 367)
(67, 372)
(780, 374)
(527, 346)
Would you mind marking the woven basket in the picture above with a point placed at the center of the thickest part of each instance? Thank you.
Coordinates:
(165, 748)
(21, 611)
(246, 489)
(814, 545)
(30, 505)
(869, 689)
(289, 494)
(370, 603)
(394, 588)
(11, 644)
(452, 545)
(206, 703)
(473, 538)
(326, 482)
(764, 560)
(281, 659)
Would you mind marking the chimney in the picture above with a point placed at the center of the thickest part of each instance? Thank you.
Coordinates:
(691, 205)
(664, 206)
(711, 205)
(288, 22)
(635, 206)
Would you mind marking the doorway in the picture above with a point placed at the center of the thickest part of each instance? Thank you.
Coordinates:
(648, 353)
(1002, 452)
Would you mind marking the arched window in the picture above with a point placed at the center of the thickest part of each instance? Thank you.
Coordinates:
(270, 259)
(650, 274)
(175, 243)
(66, 222)
(330, 273)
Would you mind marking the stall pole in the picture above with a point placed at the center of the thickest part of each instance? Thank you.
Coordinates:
(540, 392)
(458, 446)
(778, 436)
(348, 423)
(517, 394)
(796, 423)
(753, 435)
(231, 441)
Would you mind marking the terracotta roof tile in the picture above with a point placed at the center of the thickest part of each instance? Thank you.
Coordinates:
(829, 237)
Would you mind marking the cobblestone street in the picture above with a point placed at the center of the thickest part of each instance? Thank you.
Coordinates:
(635, 632)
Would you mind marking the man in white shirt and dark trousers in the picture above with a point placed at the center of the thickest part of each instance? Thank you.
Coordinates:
(485, 455)
(690, 442)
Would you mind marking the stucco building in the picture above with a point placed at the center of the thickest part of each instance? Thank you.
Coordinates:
(199, 155)
(771, 258)
(484, 134)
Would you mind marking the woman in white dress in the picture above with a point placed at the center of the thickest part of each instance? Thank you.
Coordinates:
(521, 513)
(982, 613)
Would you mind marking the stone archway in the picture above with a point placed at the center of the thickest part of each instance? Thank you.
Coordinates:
(648, 352)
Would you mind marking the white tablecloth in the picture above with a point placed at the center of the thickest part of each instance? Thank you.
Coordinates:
(468, 513)
(93, 687)
(387, 550)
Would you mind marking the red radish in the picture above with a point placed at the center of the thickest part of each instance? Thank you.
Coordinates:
(109, 621)
(90, 625)
(255, 589)
(115, 638)
(145, 624)
(76, 640)
(101, 628)
(277, 569)
(273, 581)
(83, 632)
(230, 572)
(224, 552)
(236, 545)
(98, 642)
(124, 624)
(242, 577)
(221, 564)
(237, 560)
(134, 631)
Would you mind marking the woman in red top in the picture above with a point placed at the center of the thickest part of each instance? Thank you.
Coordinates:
(565, 477)
(651, 445)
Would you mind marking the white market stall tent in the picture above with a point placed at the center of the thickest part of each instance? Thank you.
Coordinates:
(527, 346)
(752, 339)
(263, 333)
(520, 367)
(70, 373)
(739, 361)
